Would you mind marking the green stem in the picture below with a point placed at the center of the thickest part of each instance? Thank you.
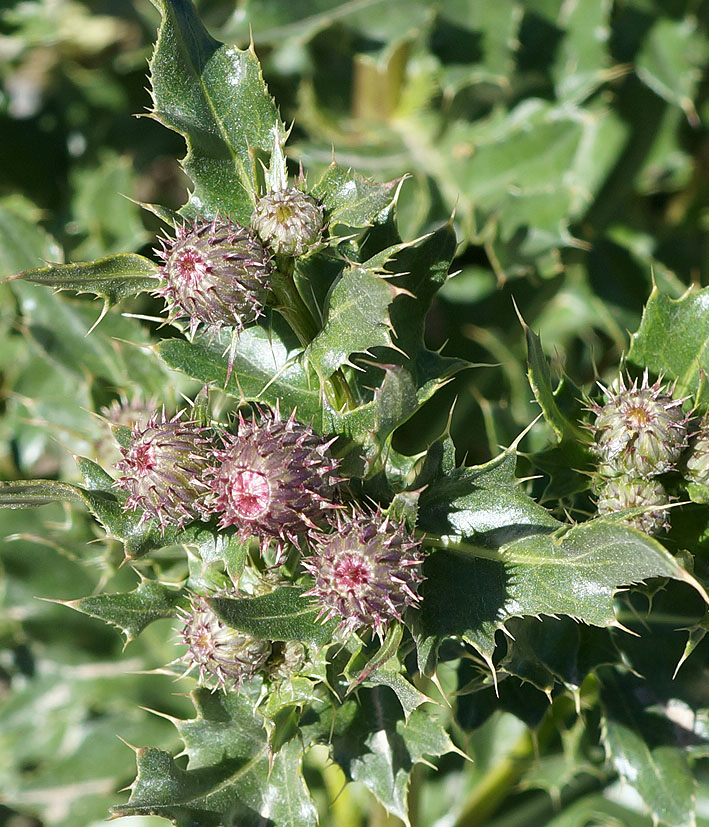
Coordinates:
(290, 304)
(496, 784)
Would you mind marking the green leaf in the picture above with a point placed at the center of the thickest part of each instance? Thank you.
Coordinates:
(130, 612)
(642, 746)
(673, 340)
(356, 320)
(267, 368)
(671, 62)
(540, 380)
(23, 244)
(30, 493)
(113, 278)
(352, 200)
(214, 95)
(472, 592)
(228, 780)
(284, 614)
(380, 748)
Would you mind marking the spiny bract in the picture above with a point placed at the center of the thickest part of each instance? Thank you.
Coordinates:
(366, 571)
(640, 431)
(218, 651)
(162, 470)
(216, 273)
(696, 467)
(272, 480)
(622, 493)
(288, 221)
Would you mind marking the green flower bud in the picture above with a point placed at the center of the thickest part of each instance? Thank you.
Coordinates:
(640, 431)
(623, 493)
(696, 467)
(222, 655)
(289, 221)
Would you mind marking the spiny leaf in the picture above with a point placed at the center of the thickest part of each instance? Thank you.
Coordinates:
(357, 319)
(112, 278)
(228, 780)
(673, 340)
(201, 89)
(350, 199)
(284, 614)
(643, 747)
(380, 748)
(267, 368)
(132, 611)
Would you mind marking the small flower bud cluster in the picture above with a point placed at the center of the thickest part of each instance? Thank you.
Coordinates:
(216, 273)
(640, 434)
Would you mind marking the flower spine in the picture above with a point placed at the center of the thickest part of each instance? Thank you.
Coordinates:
(162, 470)
(216, 273)
(273, 480)
(221, 654)
(288, 221)
(367, 572)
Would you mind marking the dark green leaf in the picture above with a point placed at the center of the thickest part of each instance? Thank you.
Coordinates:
(350, 199)
(113, 278)
(356, 320)
(213, 95)
(642, 746)
(267, 368)
(132, 611)
(673, 340)
(284, 614)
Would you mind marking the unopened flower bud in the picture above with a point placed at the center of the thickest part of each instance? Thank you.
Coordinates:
(696, 468)
(623, 493)
(215, 273)
(289, 221)
(640, 431)
(221, 654)
(273, 480)
(162, 470)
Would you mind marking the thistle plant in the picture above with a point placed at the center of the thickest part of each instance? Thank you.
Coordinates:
(363, 585)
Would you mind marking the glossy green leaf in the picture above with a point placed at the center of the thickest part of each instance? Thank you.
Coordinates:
(131, 612)
(202, 89)
(642, 745)
(471, 592)
(113, 278)
(673, 340)
(350, 199)
(380, 748)
(228, 779)
(267, 368)
(356, 320)
(284, 614)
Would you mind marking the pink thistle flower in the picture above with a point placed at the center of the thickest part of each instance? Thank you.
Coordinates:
(367, 571)
(162, 470)
(273, 480)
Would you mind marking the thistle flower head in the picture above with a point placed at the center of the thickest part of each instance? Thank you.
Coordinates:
(287, 658)
(622, 493)
(222, 655)
(696, 466)
(366, 571)
(273, 480)
(162, 468)
(288, 221)
(215, 273)
(640, 431)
